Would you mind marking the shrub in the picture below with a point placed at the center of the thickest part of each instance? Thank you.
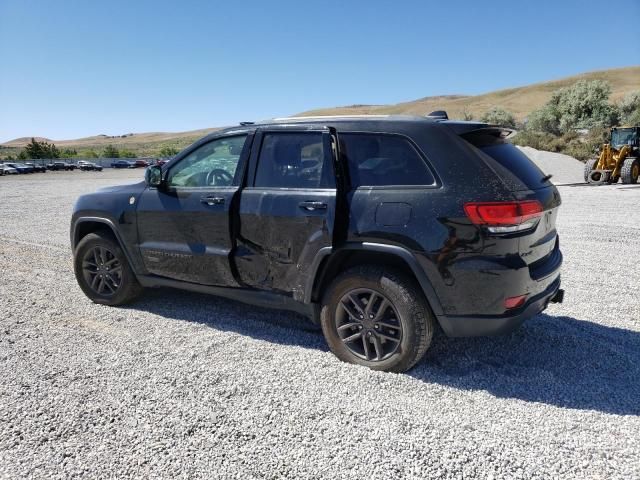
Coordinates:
(168, 151)
(110, 152)
(499, 116)
(68, 153)
(535, 139)
(629, 108)
(585, 104)
(544, 120)
(128, 154)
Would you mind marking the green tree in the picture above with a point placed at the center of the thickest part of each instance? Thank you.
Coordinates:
(168, 151)
(499, 116)
(35, 149)
(110, 152)
(88, 154)
(51, 151)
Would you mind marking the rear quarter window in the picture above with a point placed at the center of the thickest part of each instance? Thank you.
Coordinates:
(377, 160)
(515, 169)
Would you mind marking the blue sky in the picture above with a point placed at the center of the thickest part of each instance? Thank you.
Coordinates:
(77, 68)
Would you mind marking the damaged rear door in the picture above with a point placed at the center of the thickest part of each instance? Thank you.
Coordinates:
(287, 210)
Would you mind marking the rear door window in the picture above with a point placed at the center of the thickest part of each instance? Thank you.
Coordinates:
(384, 160)
(293, 160)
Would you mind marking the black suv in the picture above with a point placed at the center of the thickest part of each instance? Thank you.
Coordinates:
(377, 227)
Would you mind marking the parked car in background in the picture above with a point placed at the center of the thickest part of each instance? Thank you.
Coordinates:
(7, 170)
(88, 166)
(55, 166)
(161, 161)
(122, 164)
(20, 167)
(141, 163)
(36, 168)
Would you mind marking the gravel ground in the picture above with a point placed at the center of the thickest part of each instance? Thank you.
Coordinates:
(185, 385)
(565, 169)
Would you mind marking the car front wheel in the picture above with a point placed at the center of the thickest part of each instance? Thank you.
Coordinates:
(377, 318)
(103, 272)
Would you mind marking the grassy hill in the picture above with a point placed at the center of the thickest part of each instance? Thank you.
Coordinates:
(144, 144)
(521, 101)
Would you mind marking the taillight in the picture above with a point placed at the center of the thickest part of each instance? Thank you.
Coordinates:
(514, 302)
(504, 217)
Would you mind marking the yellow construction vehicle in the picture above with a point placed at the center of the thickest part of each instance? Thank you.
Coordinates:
(618, 159)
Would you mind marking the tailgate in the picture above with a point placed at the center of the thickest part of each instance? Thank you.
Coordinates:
(540, 248)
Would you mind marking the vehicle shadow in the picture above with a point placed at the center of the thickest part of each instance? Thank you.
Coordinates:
(276, 326)
(559, 361)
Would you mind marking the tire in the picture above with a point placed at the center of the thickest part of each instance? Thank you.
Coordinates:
(401, 337)
(588, 166)
(630, 170)
(119, 283)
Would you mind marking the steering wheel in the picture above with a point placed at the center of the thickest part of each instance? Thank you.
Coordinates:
(219, 177)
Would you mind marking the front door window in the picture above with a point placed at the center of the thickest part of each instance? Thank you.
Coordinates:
(214, 164)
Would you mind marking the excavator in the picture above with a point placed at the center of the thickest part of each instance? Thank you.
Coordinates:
(618, 159)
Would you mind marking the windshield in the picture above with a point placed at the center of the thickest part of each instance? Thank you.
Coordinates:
(623, 136)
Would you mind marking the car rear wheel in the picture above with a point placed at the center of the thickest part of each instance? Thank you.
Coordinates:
(103, 272)
(377, 318)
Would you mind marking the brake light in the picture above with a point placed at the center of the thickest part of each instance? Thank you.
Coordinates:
(505, 217)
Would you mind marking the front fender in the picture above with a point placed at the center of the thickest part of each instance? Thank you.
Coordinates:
(113, 208)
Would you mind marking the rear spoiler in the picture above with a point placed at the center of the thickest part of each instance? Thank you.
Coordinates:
(485, 135)
(471, 128)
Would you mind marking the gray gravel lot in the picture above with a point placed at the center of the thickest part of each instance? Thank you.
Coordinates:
(185, 385)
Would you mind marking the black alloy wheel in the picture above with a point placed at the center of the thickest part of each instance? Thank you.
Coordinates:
(376, 317)
(102, 271)
(368, 324)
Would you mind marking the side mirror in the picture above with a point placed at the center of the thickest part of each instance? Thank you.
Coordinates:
(153, 176)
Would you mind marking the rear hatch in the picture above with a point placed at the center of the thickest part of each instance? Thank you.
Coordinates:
(539, 247)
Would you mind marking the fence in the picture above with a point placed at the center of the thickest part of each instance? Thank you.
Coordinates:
(103, 162)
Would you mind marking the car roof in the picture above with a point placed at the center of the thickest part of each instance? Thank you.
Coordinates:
(459, 126)
(346, 123)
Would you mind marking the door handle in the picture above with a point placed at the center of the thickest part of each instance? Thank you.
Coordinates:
(212, 200)
(311, 206)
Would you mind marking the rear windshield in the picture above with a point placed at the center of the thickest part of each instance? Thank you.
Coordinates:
(514, 167)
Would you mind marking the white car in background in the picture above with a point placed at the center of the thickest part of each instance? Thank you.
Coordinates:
(7, 170)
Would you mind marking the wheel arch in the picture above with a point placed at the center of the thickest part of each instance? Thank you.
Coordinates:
(329, 263)
(83, 226)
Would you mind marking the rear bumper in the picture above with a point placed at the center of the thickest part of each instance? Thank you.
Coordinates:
(476, 326)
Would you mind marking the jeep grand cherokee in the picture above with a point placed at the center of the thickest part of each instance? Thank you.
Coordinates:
(377, 227)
